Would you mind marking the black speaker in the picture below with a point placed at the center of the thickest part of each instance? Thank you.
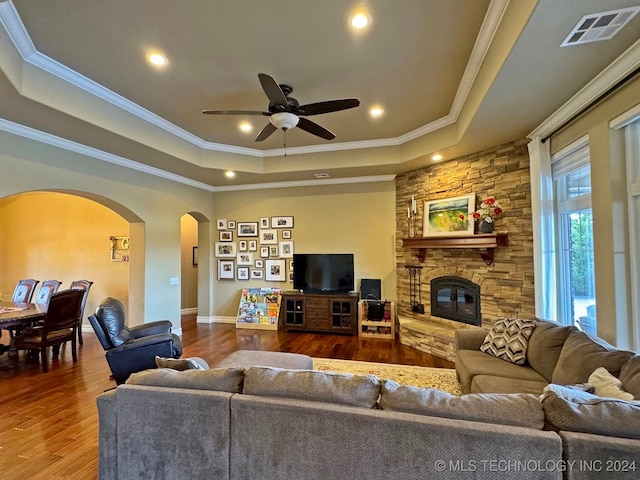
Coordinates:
(370, 289)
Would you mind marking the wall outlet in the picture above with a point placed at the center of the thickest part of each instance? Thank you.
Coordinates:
(174, 281)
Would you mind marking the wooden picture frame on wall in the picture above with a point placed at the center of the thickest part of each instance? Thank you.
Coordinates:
(226, 270)
(275, 270)
(247, 229)
(225, 249)
(281, 222)
(243, 273)
(449, 217)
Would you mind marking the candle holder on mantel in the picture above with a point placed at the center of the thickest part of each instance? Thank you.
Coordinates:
(412, 226)
(412, 214)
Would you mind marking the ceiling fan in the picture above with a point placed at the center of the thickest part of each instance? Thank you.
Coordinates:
(285, 112)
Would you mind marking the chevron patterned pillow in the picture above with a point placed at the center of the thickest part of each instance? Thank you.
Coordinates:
(508, 339)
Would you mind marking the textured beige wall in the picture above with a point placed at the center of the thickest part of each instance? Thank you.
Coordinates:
(358, 219)
(62, 237)
(152, 206)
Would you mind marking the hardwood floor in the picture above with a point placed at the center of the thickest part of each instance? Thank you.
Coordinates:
(49, 421)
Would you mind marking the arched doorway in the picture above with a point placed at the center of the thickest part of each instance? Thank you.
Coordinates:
(66, 236)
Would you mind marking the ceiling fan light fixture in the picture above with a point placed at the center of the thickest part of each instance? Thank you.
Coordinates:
(284, 120)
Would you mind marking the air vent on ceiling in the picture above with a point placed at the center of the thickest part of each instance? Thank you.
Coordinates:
(599, 26)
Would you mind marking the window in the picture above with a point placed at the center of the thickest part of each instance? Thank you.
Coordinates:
(632, 154)
(574, 239)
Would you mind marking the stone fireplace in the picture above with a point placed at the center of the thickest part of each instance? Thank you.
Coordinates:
(505, 284)
(456, 298)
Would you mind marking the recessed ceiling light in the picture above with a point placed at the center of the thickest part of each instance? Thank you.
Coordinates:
(246, 127)
(437, 157)
(229, 174)
(157, 59)
(360, 19)
(321, 175)
(376, 111)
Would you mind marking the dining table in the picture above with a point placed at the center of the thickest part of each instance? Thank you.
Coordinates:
(16, 315)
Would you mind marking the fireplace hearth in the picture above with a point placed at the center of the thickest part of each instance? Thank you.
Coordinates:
(456, 298)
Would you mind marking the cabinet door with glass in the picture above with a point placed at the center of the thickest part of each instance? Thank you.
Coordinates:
(294, 312)
(342, 314)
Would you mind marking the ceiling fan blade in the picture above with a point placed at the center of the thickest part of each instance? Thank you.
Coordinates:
(235, 112)
(315, 129)
(272, 90)
(327, 107)
(266, 131)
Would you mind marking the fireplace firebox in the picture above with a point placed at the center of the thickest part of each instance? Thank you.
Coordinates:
(456, 298)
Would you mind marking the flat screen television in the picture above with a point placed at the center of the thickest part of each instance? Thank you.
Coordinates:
(323, 272)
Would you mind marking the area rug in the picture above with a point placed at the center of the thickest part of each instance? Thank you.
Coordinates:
(440, 378)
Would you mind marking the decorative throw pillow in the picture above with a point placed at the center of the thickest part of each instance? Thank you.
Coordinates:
(194, 363)
(606, 385)
(508, 339)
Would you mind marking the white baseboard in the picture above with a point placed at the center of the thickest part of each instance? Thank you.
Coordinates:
(189, 311)
(215, 319)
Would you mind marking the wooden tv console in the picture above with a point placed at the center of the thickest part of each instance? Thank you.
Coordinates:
(320, 312)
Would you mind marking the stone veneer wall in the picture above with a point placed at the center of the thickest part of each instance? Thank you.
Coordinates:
(507, 286)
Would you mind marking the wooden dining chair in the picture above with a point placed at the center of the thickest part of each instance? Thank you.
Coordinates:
(23, 292)
(85, 286)
(59, 326)
(47, 288)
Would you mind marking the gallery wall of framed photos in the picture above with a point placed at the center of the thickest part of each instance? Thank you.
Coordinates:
(255, 250)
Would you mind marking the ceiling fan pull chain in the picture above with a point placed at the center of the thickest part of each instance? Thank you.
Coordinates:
(285, 142)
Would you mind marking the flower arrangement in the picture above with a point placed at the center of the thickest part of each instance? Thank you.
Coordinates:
(489, 209)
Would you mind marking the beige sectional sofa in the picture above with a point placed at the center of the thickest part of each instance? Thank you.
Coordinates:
(600, 434)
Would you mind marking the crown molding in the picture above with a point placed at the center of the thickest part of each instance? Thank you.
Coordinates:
(620, 68)
(63, 143)
(16, 30)
(58, 142)
(307, 183)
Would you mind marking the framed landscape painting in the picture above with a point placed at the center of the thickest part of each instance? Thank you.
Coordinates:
(449, 216)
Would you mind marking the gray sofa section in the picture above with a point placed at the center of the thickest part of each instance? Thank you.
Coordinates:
(555, 354)
(309, 425)
(600, 436)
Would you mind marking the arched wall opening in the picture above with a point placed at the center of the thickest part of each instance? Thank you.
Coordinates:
(66, 235)
(195, 264)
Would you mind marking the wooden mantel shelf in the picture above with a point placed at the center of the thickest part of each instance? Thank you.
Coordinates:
(486, 243)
